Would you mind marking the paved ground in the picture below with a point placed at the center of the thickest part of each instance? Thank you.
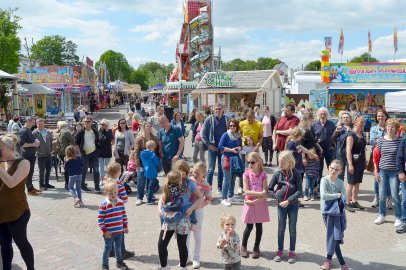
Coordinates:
(64, 237)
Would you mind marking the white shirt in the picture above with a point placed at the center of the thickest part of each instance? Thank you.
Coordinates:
(89, 146)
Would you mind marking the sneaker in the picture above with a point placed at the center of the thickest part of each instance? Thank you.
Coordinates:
(138, 202)
(105, 267)
(196, 265)
(150, 203)
(81, 203)
(49, 186)
(240, 191)
(401, 228)
(326, 265)
(375, 202)
(349, 207)
(101, 183)
(379, 220)
(121, 265)
(42, 187)
(306, 198)
(225, 202)
(233, 200)
(398, 222)
(292, 257)
(244, 252)
(256, 253)
(76, 202)
(312, 198)
(345, 267)
(278, 257)
(359, 206)
(86, 189)
(97, 190)
(37, 190)
(127, 254)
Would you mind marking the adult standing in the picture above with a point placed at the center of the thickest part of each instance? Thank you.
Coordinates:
(171, 143)
(197, 141)
(154, 120)
(143, 137)
(14, 209)
(377, 132)
(44, 152)
(65, 139)
(356, 160)
(87, 143)
(283, 128)
(105, 141)
(230, 145)
(213, 128)
(339, 137)
(192, 118)
(123, 143)
(268, 123)
(29, 146)
(400, 165)
(177, 121)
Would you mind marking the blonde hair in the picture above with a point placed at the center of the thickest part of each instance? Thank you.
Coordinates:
(256, 109)
(181, 165)
(105, 121)
(110, 186)
(173, 178)
(70, 152)
(295, 134)
(340, 120)
(200, 166)
(10, 140)
(287, 155)
(150, 145)
(257, 158)
(339, 162)
(62, 124)
(393, 122)
(227, 217)
(200, 117)
(135, 118)
(113, 169)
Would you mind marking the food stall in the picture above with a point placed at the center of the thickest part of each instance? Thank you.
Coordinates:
(37, 99)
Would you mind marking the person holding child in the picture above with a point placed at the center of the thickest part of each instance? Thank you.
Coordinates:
(229, 243)
(112, 220)
(150, 165)
(255, 210)
(74, 168)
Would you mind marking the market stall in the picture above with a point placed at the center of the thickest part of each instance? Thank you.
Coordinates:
(237, 90)
(37, 99)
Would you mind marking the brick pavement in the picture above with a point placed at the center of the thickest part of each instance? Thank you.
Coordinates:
(67, 238)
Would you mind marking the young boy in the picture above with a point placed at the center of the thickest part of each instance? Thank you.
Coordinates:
(113, 222)
(150, 164)
(113, 172)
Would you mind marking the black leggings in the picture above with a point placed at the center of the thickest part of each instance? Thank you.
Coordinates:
(247, 232)
(16, 230)
(163, 247)
(338, 253)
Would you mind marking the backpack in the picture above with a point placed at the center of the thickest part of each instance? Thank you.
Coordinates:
(56, 144)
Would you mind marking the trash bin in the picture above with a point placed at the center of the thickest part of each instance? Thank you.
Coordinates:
(169, 112)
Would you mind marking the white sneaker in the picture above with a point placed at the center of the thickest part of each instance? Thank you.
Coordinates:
(398, 222)
(312, 198)
(225, 202)
(240, 191)
(138, 202)
(379, 220)
(196, 264)
(306, 198)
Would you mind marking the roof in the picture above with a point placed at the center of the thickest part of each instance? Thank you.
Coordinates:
(30, 88)
(5, 75)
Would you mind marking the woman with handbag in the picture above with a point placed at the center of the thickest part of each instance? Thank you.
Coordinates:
(356, 163)
(230, 145)
(123, 143)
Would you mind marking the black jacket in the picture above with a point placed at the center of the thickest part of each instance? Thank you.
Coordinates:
(105, 138)
(80, 140)
(289, 188)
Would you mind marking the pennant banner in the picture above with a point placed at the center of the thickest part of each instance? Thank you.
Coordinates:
(341, 44)
(395, 40)
(369, 42)
(328, 41)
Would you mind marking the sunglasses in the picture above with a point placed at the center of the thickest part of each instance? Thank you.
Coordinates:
(231, 125)
(251, 162)
(88, 121)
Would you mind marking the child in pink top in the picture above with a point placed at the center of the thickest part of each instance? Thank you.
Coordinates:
(131, 165)
(255, 209)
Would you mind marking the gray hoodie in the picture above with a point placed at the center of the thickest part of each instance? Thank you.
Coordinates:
(45, 148)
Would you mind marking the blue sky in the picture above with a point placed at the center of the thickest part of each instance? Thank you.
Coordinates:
(148, 30)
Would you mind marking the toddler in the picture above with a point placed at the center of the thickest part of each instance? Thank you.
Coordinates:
(229, 243)
(74, 166)
(150, 165)
(312, 167)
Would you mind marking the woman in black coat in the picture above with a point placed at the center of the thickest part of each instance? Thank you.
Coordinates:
(105, 139)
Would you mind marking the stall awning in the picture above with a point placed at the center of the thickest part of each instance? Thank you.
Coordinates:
(5, 75)
(225, 90)
(30, 88)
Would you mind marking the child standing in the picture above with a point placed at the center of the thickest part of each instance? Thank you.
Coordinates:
(312, 168)
(112, 220)
(247, 148)
(229, 243)
(199, 174)
(150, 165)
(74, 166)
(255, 210)
(332, 190)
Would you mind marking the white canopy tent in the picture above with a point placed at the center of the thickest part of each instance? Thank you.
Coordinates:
(395, 101)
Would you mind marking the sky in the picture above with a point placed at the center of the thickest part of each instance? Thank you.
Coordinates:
(148, 30)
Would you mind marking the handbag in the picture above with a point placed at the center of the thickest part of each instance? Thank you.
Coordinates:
(226, 162)
(370, 165)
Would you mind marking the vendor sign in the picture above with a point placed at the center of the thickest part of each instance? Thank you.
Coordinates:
(219, 79)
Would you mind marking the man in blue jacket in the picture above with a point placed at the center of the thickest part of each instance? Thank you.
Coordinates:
(400, 164)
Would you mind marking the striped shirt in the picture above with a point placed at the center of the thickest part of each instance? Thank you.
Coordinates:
(122, 194)
(389, 149)
(312, 168)
(112, 217)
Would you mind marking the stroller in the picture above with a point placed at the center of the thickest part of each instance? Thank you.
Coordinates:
(126, 178)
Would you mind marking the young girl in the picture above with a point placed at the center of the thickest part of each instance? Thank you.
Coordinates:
(247, 148)
(332, 188)
(131, 164)
(229, 243)
(286, 188)
(312, 167)
(255, 208)
(199, 174)
(74, 166)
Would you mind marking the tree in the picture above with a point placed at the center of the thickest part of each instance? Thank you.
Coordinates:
(262, 63)
(364, 58)
(55, 50)
(117, 65)
(156, 72)
(313, 66)
(140, 77)
(10, 44)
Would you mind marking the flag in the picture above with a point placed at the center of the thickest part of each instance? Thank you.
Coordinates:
(369, 41)
(89, 61)
(341, 44)
(328, 42)
(395, 40)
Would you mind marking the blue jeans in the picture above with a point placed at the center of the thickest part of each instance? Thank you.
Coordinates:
(376, 189)
(108, 245)
(228, 183)
(44, 165)
(151, 184)
(290, 211)
(403, 186)
(389, 178)
(213, 156)
(93, 160)
(310, 181)
(140, 185)
(75, 191)
(103, 162)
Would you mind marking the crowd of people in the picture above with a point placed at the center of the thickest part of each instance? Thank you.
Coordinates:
(144, 144)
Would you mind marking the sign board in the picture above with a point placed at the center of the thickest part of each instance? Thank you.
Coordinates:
(211, 99)
(221, 98)
(259, 97)
(219, 79)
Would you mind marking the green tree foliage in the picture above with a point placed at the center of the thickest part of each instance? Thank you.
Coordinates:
(363, 58)
(313, 66)
(140, 77)
(117, 65)
(155, 72)
(262, 63)
(10, 44)
(55, 50)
